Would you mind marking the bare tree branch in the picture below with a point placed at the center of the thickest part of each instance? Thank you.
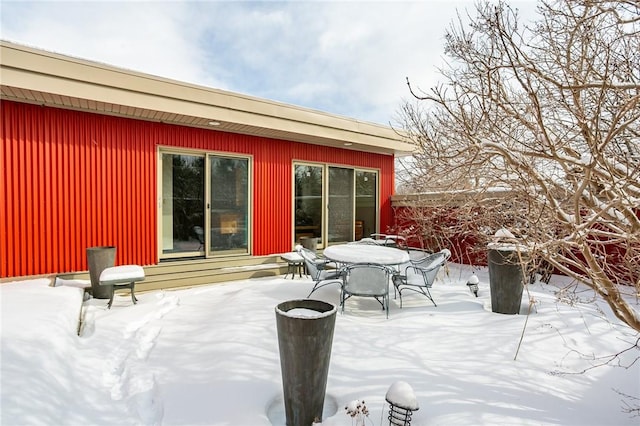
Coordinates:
(551, 113)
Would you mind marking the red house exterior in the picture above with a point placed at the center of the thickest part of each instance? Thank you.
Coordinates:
(92, 155)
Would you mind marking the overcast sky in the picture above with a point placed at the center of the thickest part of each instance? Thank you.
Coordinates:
(348, 58)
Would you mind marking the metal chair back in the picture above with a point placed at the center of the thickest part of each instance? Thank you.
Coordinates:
(366, 280)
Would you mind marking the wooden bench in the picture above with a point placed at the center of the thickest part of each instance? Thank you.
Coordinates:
(121, 277)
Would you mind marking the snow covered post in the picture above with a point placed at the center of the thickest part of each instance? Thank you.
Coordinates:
(472, 283)
(402, 403)
(305, 335)
(506, 260)
(99, 259)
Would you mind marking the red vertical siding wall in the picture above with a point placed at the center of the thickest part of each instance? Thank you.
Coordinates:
(72, 180)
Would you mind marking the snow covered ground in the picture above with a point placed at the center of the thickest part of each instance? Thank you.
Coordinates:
(209, 356)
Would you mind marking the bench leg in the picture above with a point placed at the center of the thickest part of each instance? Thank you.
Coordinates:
(113, 290)
(289, 266)
(130, 286)
(133, 295)
(291, 269)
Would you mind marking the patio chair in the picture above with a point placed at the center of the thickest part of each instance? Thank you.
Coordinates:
(397, 241)
(381, 239)
(417, 254)
(322, 271)
(366, 280)
(365, 240)
(420, 274)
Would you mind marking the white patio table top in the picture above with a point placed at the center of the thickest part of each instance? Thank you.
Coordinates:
(366, 253)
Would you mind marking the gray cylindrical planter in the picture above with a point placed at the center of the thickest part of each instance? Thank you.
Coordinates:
(310, 243)
(305, 335)
(99, 259)
(505, 280)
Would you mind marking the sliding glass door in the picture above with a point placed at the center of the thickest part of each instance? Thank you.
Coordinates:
(340, 205)
(183, 203)
(228, 207)
(308, 201)
(366, 204)
(334, 204)
(205, 204)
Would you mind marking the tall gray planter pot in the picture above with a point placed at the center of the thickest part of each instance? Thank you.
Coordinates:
(99, 259)
(305, 335)
(506, 275)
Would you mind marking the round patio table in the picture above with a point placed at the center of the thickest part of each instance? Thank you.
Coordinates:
(365, 253)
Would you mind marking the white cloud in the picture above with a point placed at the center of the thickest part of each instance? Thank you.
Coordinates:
(348, 58)
(148, 37)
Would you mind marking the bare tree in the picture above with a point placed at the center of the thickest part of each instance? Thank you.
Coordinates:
(551, 113)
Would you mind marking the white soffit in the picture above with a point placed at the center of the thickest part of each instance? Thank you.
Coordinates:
(45, 78)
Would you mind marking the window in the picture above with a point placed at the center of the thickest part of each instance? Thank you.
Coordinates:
(229, 209)
(366, 203)
(334, 204)
(183, 204)
(341, 221)
(308, 201)
(205, 204)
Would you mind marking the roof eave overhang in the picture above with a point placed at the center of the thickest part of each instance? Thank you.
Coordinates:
(45, 78)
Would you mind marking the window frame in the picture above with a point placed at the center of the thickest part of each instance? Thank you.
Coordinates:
(206, 155)
(324, 231)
